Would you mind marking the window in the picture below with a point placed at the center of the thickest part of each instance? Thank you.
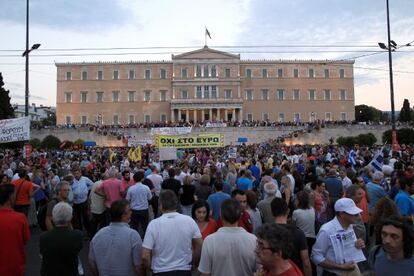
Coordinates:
(83, 96)
(99, 120)
(281, 117)
(99, 97)
(199, 93)
(206, 92)
(227, 72)
(249, 95)
(147, 118)
(342, 73)
(342, 94)
(131, 119)
(296, 73)
(312, 95)
(326, 72)
(163, 95)
(228, 94)
(296, 94)
(184, 94)
(249, 117)
(264, 73)
(84, 120)
(184, 73)
(68, 97)
(99, 75)
(312, 116)
(198, 71)
(115, 74)
(280, 94)
(147, 74)
(68, 76)
(311, 73)
(115, 96)
(84, 75)
(343, 116)
(115, 120)
(213, 71)
(265, 94)
(328, 116)
(131, 74)
(214, 92)
(296, 117)
(265, 116)
(248, 73)
(163, 73)
(280, 73)
(68, 120)
(147, 96)
(205, 71)
(131, 96)
(327, 93)
(163, 118)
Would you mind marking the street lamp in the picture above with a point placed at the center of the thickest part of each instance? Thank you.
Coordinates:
(391, 46)
(26, 54)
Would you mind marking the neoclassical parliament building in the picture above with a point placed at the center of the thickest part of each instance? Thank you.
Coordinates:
(205, 84)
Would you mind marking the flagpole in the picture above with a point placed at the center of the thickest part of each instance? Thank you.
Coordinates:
(205, 37)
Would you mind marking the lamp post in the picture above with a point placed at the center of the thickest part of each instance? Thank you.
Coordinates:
(26, 54)
(391, 46)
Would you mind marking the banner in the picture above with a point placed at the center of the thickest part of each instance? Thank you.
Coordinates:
(171, 130)
(190, 141)
(217, 124)
(12, 130)
(232, 152)
(133, 142)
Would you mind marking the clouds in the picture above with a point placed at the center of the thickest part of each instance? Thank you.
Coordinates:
(64, 14)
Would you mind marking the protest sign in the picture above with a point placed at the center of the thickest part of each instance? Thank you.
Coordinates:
(168, 154)
(12, 130)
(190, 141)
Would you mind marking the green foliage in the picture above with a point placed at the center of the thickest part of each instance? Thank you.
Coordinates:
(347, 141)
(79, 143)
(365, 113)
(404, 136)
(36, 143)
(50, 120)
(362, 139)
(51, 142)
(68, 144)
(6, 110)
(406, 112)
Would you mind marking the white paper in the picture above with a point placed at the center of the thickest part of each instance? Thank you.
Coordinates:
(343, 244)
(168, 154)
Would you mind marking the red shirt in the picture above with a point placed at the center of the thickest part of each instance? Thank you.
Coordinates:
(210, 229)
(23, 198)
(293, 271)
(14, 233)
(112, 188)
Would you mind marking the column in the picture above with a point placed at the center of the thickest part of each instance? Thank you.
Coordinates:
(187, 115)
(210, 114)
(172, 115)
(203, 115)
(233, 117)
(241, 114)
(226, 115)
(195, 115)
(218, 114)
(179, 114)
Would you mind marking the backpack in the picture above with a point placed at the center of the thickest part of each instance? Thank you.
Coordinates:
(41, 215)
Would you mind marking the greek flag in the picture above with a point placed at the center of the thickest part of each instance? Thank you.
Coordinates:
(378, 161)
(351, 158)
(208, 33)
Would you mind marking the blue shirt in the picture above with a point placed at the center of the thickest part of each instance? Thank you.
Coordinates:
(405, 203)
(80, 189)
(139, 195)
(244, 184)
(255, 172)
(375, 193)
(214, 201)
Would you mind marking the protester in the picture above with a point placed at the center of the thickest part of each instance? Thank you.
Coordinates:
(187, 198)
(251, 208)
(80, 188)
(14, 234)
(201, 215)
(375, 191)
(216, 199)
(116, 249)
(403, 199)
(97, 207)
(229, 251)
(171, 183)
(60, 246)
(24, 192)
(271, 192)
(62, 193)
(321, 200)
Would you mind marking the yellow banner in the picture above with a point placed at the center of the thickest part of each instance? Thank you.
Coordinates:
(190, 141)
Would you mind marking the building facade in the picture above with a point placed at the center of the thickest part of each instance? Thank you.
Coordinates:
(205, 84)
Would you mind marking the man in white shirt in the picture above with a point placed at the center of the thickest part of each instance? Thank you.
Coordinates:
(139, 195)
(231, 250)
(173, 241)
(346, 182)
(156, 180)
(328, 251)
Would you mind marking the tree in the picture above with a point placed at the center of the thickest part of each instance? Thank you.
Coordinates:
(6, 110)
(51, 142)
(404, 136)
(365, 113)
(406, 112)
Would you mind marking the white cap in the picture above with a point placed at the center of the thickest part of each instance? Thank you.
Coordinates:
(347, 205)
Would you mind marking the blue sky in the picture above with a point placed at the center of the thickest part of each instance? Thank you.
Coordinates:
(136, 23)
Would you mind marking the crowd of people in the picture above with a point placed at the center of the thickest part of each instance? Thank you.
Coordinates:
(270, 209)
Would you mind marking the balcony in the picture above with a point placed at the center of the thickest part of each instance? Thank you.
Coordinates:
(210, 102)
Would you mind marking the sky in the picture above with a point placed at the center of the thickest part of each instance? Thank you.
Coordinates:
(296, 29)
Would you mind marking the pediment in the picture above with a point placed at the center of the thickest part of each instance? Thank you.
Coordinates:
(206, 53)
